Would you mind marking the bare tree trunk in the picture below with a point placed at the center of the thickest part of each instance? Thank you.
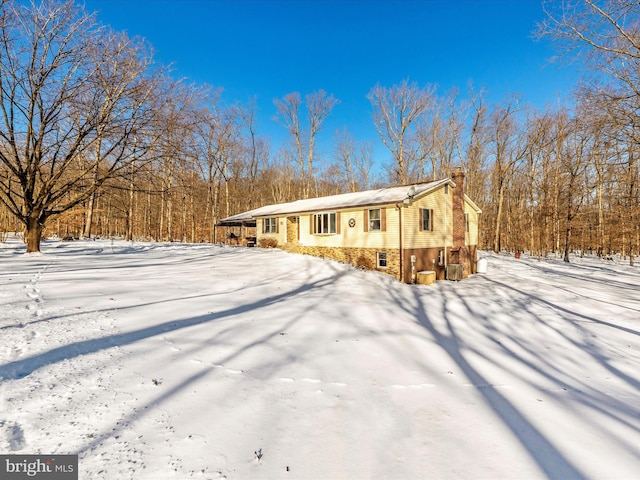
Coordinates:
(129, 233)
(169, 236)
(567, 240)
(149, 216)
(497, 231)
(90, 207)
(531, 209)
(192, 207)
(33, 232)
(226, 199)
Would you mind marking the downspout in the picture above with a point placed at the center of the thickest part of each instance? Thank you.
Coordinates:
(399, 207)
(446, 233)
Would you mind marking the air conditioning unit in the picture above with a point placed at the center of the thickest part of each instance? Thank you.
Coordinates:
(454, 271)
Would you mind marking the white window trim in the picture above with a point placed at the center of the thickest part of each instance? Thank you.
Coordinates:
(273, 225)
(379, 220)
(431, 214)
(321, 215)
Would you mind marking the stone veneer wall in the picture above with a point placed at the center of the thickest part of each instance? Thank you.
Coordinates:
(355, 256)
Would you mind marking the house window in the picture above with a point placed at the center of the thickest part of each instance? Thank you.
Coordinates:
(466, 222)
(381, 259)
(270, 225)
(375, 220)
(324, 223)
(426, 219)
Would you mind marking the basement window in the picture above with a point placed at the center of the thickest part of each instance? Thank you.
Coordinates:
(381, 259)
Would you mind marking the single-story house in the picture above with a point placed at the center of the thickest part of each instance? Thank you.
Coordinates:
(399, 230)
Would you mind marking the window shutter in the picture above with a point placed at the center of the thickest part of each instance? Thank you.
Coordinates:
(383, 219)
(365, 216)
(421, 222)
(338, 223)
(277, 224)
(311, 219)
(431, 222)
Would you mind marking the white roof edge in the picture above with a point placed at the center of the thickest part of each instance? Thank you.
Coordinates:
(472, 203)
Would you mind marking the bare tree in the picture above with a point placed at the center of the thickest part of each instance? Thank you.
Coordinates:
(509, 148)
(289, 110)
(606, 34)
(319, 105)
(575, 144)
(257, 152)
(364, 165)
(354, 161)
(218, 141)
(439, 134)
(72, 96)
(344, 154)
(396, 110)
(478, 140)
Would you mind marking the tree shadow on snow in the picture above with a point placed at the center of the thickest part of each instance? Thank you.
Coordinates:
(550, 460)
(25, 366)
(136, 414)
(501, 326)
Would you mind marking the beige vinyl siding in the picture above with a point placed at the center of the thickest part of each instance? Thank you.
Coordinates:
(279, 236)
(356, 236)
(471, 236)
(414, 236)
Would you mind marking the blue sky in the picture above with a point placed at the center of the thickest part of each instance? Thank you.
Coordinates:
(268, 48)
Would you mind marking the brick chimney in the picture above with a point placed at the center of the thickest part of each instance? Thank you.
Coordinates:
(458, 208)
(459, 251)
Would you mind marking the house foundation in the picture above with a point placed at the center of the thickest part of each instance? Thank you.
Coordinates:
(366, 258)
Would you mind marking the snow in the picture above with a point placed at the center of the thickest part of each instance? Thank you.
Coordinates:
(382, 196)
(154, 361)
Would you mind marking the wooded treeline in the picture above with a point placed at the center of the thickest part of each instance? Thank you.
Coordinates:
(96, 140)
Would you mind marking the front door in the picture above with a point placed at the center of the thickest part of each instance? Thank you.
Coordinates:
(293, 230)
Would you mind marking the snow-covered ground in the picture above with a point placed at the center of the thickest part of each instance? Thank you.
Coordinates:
(156, 361)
